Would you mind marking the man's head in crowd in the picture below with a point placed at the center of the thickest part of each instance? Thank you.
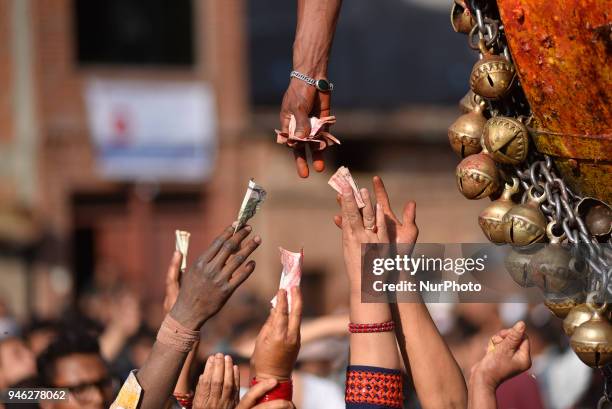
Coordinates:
(17, 363)
(73, 361)
(39, 334)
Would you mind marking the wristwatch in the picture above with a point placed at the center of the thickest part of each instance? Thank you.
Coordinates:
(321, 84)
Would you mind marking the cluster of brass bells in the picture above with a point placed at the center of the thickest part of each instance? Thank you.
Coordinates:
(592, 340)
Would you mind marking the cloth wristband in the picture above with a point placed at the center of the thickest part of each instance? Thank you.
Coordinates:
(373, 387)
(282, 391)
(176, 336)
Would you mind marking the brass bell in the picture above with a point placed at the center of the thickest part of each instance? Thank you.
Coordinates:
(492, 76)
(477, 176)
(516, 262)
(592, 341)
(576, 317)
(491, 218)
(470, 102)
(561, 307)
(462, 19)
(506, 139)
(464, 134)
(597, 216)
(551, 267)
(525, 224)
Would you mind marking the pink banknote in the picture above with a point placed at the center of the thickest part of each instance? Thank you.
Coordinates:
(343, 177)
(318, 139)
(292, 272)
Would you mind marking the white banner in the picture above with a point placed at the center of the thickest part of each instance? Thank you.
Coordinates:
(151, 130)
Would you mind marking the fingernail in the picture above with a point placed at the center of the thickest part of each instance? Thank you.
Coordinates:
(519, 326)
(219, 356)
(228, 358)
(257, 239)
(248, 228)
(234, 224)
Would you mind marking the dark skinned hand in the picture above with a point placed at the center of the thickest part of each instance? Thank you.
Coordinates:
(208, 284)
(303, 101)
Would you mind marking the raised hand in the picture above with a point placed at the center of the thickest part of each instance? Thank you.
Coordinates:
(207, 285)
(359, 227)
(507, 355)
(249, 401)
(219, 385)
(303, 101)
(399, 231)
(278, 342)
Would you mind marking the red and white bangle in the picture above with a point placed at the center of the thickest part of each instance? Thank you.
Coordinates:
(282, 391)
(375, 327)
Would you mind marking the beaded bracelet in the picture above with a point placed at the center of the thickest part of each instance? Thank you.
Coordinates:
(282, 391)
(376, 327)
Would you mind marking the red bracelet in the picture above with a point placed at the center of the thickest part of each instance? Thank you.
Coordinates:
(185, 400)
(377, 327)
(282, 391)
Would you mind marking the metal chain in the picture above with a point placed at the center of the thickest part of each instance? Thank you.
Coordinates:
(560, 207)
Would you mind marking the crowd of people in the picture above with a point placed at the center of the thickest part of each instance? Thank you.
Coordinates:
(376, 355)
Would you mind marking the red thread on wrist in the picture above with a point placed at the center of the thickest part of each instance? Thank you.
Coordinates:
(176, 336)
(282, 391)
(368, 328)
(185, 400)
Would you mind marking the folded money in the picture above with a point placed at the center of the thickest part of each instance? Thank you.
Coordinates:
(253, 198)
(343, 177)
(182, 245)
(319, 138)
(292, 272)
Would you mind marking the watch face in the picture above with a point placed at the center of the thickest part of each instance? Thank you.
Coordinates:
(322, 85)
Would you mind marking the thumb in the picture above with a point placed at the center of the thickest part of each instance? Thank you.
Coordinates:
(302, 125)
(514, 337)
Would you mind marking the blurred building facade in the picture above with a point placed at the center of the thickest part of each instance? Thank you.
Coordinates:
(63, 226)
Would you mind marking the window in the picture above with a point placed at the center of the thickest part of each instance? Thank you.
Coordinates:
(134, 32)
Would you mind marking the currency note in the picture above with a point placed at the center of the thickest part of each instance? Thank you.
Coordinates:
(292, 272)
(343, 177)
(319, 137)
(182, 245)
(253, 198)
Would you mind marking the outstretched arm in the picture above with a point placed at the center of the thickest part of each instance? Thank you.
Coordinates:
(206, 287)
(423, 349)
(316, 25)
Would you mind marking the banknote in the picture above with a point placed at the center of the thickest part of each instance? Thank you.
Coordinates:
(292, 272)
(253, 198)
(319, 137)
(182, 245)
(343, 177)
